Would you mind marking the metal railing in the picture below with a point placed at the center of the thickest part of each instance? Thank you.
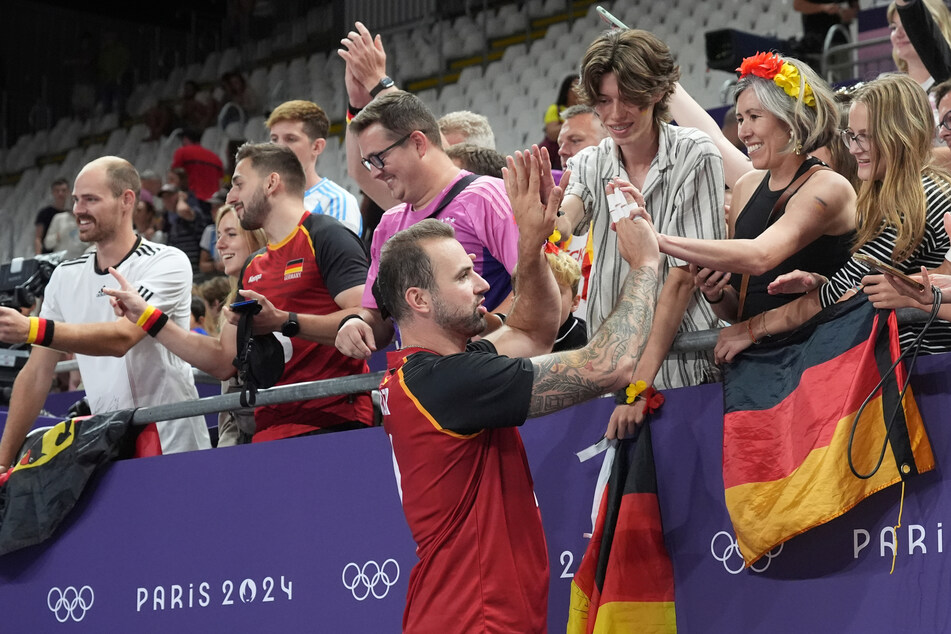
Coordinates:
(685, 342)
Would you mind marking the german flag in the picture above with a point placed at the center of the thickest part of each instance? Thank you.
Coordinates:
(39, 491)
(293, 269)
(625, 582)
(789, 411)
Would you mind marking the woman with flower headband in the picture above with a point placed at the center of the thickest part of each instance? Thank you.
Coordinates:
(795, 212)
(900, 211)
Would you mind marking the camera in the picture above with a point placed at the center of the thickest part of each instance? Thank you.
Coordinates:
(22, 281)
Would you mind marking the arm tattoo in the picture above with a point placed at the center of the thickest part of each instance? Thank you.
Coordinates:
(566, 378)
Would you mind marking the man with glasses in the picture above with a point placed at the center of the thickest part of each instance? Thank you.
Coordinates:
(398, 140)
(942, 99)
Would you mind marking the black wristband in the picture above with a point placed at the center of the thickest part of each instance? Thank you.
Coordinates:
(48, 333)
(348, 318)
(352, 112)
(158, 325)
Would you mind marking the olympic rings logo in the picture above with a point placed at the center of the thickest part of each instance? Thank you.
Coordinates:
(372, 578)
(732, 551)
(70, 603)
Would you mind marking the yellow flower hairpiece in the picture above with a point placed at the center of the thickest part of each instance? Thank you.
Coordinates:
(783, 74)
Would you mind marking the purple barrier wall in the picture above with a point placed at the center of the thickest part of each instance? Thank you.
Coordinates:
(291, 536)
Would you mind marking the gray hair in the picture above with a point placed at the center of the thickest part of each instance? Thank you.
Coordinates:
(810, 127)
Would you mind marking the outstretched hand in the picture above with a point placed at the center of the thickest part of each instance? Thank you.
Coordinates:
(524, 175)
(125, 300)
(795, 282)
(366, 63)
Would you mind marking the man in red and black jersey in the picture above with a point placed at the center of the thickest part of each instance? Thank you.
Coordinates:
(451, 408)
(309, 276)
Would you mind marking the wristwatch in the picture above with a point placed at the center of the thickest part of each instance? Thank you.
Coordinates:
(291, 327)
(385, 83)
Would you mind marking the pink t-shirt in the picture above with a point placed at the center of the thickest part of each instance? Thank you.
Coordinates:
(482, 218)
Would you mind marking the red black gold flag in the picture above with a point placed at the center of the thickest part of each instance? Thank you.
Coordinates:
(39, 491)
(789, 410)
(625, 582)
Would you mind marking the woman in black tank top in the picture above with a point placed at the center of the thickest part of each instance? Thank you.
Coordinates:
(794, 212)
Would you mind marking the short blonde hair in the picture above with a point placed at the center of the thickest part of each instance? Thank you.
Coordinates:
(566, 269)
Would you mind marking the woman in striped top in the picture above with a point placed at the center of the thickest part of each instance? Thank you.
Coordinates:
(900, 210)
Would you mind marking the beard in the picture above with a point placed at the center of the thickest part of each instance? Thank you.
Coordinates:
(462, 322)
(255, 211)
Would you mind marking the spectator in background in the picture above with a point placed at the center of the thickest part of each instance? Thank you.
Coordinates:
(185, 219)
(144, 222)
(238, 92)
(203, 167)
(302, 126)
(215, 292)
(903, 51)
(60, 191)
(197, 321)
(122, 367)
(581, 127)
(567, 97)
(209, 262)
(573, 332)
(476, 159)
(151, 184)
(818, 16)
(195, 110)
(463, 126)
(63, 235)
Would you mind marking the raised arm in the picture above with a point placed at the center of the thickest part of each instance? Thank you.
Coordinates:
(687, 112)
(607, 362)
(366, 66)
(533, 323)
(824, 205)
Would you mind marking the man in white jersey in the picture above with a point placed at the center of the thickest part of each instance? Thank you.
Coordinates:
(121, 367)
(302, 126)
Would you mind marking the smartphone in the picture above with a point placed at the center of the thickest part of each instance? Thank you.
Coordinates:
(610, 19)
(245, 306)
(881, 267)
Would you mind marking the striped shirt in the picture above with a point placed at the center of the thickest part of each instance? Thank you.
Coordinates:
(330, 199)
(683, 192)
(930, 253)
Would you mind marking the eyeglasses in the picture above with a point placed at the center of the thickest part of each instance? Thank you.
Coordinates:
(376, 160)
(848, 137)
(946, 121)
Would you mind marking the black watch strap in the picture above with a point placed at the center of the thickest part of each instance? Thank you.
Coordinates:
(291, 327)
(385, 83)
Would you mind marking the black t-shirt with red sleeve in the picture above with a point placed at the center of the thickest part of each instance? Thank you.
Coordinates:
(467, 490)
(303, 273)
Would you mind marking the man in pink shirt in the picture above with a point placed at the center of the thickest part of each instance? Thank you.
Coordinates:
(400, 144)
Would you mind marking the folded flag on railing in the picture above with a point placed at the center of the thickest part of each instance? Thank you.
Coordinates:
(38, 492)
(625, 582)
(788, 413)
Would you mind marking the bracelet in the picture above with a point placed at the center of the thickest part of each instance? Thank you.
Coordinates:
(152, 320)
(718, 299)
(352, 112)
(749, 327)
(348, 318)
(41, 331)
(765, 329)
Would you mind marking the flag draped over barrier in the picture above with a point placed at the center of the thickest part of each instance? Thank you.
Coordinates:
(789, 411)
(39, 491)
(625, 582)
